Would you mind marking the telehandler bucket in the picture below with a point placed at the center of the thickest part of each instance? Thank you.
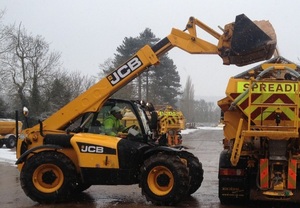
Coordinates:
(250, 41)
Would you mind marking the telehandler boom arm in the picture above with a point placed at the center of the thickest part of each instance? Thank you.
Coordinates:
(257, 46)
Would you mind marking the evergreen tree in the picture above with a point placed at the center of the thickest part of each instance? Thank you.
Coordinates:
(165, 83)
(159, 84)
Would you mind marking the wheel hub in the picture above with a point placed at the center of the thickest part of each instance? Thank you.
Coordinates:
(163, 180)
(49, 177)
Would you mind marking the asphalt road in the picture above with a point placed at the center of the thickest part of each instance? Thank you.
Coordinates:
(205, 144)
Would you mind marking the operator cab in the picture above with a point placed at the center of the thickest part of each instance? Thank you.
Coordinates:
(135, 120)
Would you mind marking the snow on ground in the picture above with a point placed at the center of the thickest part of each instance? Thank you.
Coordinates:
(187, 131)
(9, 156)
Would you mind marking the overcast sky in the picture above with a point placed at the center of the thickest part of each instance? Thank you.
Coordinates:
(87, 32)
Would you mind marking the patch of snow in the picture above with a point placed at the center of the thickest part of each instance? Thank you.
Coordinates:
(8, 156)
(187, 131)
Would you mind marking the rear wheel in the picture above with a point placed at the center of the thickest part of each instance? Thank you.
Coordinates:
(195, 171)
(233, 188)
(11, 141)
(48, 177)
(164, 179)
(1, 143)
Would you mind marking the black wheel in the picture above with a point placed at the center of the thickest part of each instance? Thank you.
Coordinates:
(1, 143)
(48, 177)
(11, 141)
(164, 179)
(233, 189)
(195, 171)
(81, 186)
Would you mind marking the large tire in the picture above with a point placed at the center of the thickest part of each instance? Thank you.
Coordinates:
(233, 189)
(11, 142)
(164, 179)
(81, 186)
(195, 171)
(48, 177)
(1, 143)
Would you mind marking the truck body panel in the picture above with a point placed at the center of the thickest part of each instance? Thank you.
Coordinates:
(8, 132)
(261, 117)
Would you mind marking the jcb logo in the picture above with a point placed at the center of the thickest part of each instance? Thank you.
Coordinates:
(91, 149)
(96, 149)
(124, 70)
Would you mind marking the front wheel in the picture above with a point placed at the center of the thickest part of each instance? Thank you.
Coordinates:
(11, 142)
(164, 179)
(81, 186)
(48, 177)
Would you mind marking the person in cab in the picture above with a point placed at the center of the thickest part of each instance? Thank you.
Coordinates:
(112, 123)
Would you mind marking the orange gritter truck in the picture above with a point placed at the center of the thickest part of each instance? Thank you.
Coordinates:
(261, 156)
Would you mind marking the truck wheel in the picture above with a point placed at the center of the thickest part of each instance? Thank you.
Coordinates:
(233, 189)
(164, 179)
(11, 142)
(1, 143)
(195, 171)
(48, 177)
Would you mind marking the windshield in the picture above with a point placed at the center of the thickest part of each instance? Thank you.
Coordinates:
(144, 119)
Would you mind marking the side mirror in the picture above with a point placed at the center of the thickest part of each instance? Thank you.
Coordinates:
(150, 107)
(25, 111)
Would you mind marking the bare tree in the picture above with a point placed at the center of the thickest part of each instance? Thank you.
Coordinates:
(4, 48)
(62, 88)
(187, 101)
(79, 83)
(4, 30)
(31, 74)
(26, 65)
(105, 67)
